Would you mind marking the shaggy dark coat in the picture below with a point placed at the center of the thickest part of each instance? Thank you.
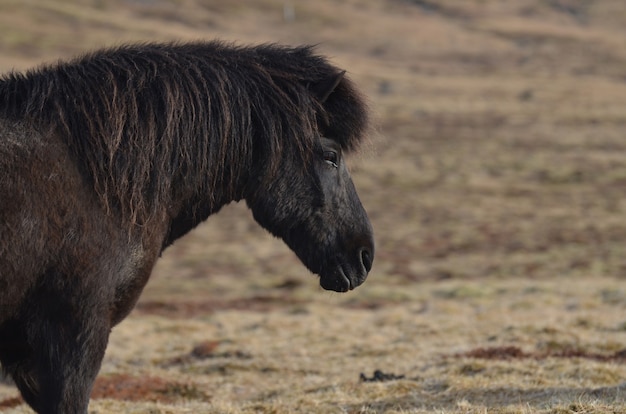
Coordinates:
(107, 159)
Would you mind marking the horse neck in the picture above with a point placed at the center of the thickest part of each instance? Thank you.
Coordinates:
(188, 211)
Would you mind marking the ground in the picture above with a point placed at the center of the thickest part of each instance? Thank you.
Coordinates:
(494, 177)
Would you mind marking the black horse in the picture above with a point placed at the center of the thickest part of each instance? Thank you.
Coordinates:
(108, 159)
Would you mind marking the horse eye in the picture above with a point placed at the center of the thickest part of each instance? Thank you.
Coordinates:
(331, 158)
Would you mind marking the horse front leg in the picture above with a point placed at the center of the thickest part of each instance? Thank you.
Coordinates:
(67, 381)
(67, 336)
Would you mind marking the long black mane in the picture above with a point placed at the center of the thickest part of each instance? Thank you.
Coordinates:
(150, 124)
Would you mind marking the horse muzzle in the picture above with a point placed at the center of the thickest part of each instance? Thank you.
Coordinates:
(346, 277)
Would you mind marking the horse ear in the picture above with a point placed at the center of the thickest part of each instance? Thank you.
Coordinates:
(324, 88)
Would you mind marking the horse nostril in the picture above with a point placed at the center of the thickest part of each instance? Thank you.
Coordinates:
(366, 259)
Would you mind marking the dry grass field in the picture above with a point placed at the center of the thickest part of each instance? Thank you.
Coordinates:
(495, 178)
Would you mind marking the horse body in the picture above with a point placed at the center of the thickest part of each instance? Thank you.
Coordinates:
(54, 227)
(108, 159)
(63, 272)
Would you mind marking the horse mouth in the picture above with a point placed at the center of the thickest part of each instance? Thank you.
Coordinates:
(340, 281)
(344, 277)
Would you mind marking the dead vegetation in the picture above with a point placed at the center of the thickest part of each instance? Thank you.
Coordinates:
(495, 183)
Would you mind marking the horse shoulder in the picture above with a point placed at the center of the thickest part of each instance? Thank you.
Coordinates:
(51, 218)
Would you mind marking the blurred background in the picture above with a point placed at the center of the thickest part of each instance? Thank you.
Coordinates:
(497, 155)
(497, 149)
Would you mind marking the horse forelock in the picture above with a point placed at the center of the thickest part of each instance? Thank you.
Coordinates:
(152, 123)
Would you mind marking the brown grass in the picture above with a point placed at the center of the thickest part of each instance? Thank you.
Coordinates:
(495, 183)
